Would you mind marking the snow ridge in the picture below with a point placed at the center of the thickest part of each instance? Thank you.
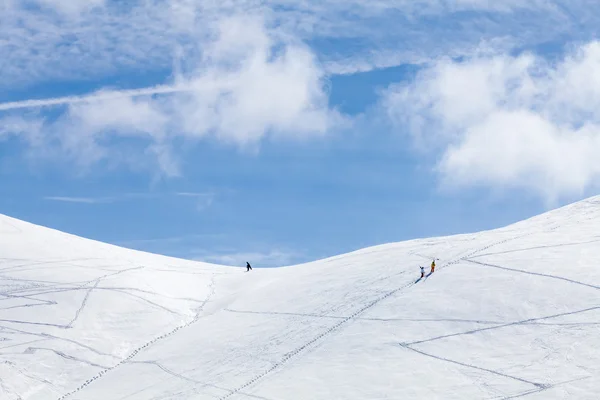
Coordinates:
(517, 315)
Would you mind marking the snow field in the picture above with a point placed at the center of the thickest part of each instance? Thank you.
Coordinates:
(509, 313)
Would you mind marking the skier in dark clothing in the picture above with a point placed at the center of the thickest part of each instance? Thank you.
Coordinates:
(422, 271)
(248, 266)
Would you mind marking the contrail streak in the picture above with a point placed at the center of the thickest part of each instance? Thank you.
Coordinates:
(57, 101)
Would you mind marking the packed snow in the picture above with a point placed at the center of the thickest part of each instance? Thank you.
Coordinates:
(508, 313)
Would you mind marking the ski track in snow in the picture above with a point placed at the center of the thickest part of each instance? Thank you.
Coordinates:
(148, 344)
(31, 350)
(34, 288)
(540, 386)
(536, 384)
(289, 356)
(372, 304)
(522, 322)
(195, 381)
(535, 273)
(46, 302)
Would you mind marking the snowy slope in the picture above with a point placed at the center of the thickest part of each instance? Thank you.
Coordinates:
(509, 313)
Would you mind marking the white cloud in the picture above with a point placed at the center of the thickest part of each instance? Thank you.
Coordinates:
(248, 84)
(253, 84)
(512, 122)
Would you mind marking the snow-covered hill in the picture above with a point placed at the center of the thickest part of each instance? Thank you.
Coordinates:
(509, 313)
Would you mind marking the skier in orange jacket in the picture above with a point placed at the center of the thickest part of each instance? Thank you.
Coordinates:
(432, 266)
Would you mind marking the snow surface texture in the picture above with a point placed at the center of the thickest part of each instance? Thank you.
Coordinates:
(508, 313)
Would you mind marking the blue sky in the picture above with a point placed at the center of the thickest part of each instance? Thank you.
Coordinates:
(280, 134)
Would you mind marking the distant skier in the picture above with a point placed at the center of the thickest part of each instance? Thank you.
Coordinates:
(422, 271)
(432, 266)
(248, 266)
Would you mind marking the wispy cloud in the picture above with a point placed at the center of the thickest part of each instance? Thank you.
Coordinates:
(102, 95)
(79, 40)
(508, 121)
(103, 199)
(169, 241)
(272, 258)
(202, 201)
(64, 7)
(208, 247)
(86, 200)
